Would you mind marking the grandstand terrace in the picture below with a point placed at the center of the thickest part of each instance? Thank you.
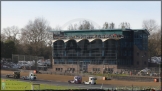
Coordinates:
(102, 50)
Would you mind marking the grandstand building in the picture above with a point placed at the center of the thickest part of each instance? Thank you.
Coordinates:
(102, 50)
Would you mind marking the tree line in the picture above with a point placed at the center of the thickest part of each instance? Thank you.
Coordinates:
(36, 40)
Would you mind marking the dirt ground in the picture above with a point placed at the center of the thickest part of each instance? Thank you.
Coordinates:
(99, 81)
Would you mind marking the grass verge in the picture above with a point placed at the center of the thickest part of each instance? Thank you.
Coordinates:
(12, 84)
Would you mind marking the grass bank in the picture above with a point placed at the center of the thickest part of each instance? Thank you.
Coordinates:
(12, 84)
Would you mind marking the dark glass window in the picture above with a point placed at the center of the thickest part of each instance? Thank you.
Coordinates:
(145, 63)
(145, 54)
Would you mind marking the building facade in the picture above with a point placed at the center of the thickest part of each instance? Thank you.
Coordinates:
(99, 50)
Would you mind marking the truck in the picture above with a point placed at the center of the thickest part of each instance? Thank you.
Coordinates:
(92, 80)
(77, 80)
(31, 76)
(15, 75)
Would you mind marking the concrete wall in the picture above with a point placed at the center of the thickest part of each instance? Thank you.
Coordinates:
(101, 68)
(65, 68)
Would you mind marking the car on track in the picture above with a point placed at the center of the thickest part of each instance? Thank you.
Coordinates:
(31, 76)
(77, 80)
(92, 80)
(15, 75)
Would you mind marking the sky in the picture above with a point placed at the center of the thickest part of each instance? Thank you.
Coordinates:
(63, 13)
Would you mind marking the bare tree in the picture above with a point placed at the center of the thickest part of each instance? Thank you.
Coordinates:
(3, 37)
(159, 34)
(35, 33)
(154, 43)
(70, 27)
(7, 32)
(105, 25)
(124, 25)
(112, 25)
(75, 26)
(154, 40)
(11, 33)
(158, 38)
(15, 30)
(58, 28)
(83, 25)
(150, 25)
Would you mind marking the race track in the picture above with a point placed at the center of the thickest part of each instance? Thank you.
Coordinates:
(62, 80)
(81, 86)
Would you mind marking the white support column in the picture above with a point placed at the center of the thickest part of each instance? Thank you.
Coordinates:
(53, 41)
(66, 40)
(90, 40)
(103, 40)
(77, 40)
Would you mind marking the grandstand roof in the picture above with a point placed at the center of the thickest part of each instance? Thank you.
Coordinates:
(97, 31)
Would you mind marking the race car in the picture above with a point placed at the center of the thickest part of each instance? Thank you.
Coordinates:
(31, 76)
(92, 80)
(77, 80)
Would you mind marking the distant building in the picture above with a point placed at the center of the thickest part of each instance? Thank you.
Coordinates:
(99, 50)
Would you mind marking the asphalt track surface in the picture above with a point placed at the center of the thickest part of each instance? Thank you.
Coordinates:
(57, 83)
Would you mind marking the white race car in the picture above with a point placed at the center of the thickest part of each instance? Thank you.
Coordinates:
(31, 76)
(92, 80)
(77, 80)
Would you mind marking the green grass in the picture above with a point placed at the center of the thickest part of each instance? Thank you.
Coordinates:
(20, 85)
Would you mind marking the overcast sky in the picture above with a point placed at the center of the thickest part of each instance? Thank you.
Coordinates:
(62, 13)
